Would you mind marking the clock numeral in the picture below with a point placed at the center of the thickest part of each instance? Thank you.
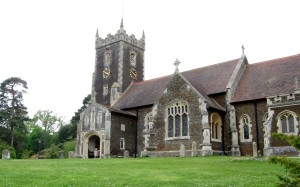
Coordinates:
(133, 73)
(106, 73)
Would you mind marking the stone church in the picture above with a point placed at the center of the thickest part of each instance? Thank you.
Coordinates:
(218, 109)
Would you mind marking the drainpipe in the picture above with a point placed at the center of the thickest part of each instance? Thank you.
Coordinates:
(256, 122)
(136, 130)
(223, 133)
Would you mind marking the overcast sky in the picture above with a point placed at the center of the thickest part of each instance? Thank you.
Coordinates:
(51, 44)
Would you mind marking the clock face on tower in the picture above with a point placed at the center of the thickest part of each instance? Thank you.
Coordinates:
(106, 73)
(133, 73)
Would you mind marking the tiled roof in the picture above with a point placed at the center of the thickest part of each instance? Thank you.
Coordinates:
(207, 80)
(143, 93)
(268, 78)
(213, 78)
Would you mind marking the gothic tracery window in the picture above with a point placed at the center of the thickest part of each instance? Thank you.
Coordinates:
(287, 123)
(216, 126)
(177, 120)
(245, 126)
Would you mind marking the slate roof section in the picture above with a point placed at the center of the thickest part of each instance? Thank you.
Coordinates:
(207, 80)
(268, 78)
(143, 93)
(213, 78)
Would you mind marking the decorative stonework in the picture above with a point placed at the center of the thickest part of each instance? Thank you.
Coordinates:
(206, 145)
(267, 123)
(120, 36)
(235, 148)
(94, 123)
(283, 100)
(148, 126)
(120, 66)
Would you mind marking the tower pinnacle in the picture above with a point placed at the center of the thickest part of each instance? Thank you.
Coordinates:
(243, 49)
(97, 34)
(143, 36)
(121, 26)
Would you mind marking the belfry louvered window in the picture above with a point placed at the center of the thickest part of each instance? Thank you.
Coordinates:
(177, 119)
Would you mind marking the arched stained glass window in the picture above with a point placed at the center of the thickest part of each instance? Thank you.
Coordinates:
(177, 117)
(287, 123)
(245, 126)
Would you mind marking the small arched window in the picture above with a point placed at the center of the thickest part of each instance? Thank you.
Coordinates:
(245, 127)
(122, 143)
(216, 127)
(287, 123)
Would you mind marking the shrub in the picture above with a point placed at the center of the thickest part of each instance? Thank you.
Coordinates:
(52, 152)
(292, 167)
(69, 146)
(26, 154)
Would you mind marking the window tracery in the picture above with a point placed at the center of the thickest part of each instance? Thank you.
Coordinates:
(177, 125)
(287, 123)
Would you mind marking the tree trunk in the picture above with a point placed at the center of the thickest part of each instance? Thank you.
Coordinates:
(12, 136)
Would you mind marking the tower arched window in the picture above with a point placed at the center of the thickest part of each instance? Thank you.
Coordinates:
(245, 127)
(216, 127)
(177, 123)
(287, 123)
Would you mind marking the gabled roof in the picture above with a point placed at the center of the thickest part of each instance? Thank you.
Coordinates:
(142, 93)
(207, 80)
(213, 78)
(268, 78)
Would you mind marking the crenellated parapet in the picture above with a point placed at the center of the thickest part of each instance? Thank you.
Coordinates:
(121, 35)
(284, 100)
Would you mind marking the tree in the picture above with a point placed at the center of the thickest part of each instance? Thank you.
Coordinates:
(48, 121)
(39, 140)
(12, 111)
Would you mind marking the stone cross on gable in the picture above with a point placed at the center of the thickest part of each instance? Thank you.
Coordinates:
(176, 64)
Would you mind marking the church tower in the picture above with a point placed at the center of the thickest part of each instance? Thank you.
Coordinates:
(119, 62)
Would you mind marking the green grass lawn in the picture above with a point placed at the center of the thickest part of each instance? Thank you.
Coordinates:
(192, 171)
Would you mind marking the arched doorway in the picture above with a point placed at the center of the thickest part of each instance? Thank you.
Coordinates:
(93, 143)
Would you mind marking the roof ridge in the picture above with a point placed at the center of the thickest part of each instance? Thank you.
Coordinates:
(165, 76)
(275, 59)
(153, 79)
(212, 65)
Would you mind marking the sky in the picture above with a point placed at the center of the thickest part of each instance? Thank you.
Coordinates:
(51, 43)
